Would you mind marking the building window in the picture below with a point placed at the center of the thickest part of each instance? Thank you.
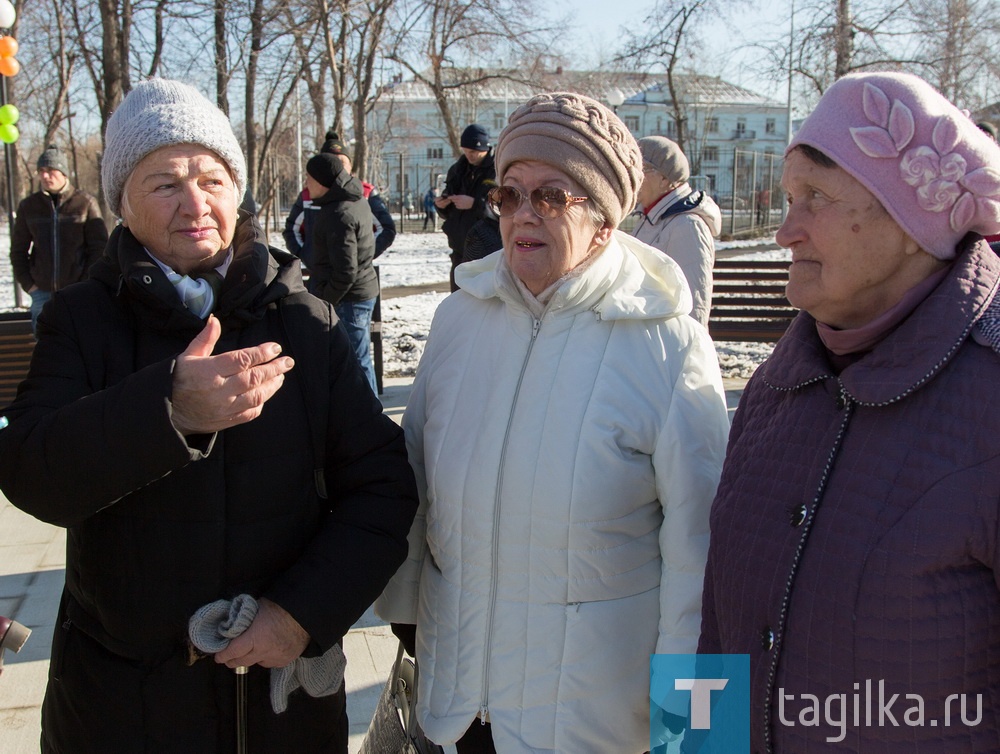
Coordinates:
(671, 128)
(711, 182)
(771, 127)
(710, 154)
(659, 124)
(632, 122)
(741, 128)
(712, 125)
(435, 153)
(498, 122)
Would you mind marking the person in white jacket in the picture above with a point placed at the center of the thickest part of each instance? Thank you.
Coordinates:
(678, 221)
(567, 426)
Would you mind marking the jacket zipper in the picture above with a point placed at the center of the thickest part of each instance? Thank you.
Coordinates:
(494, 558)
(55, 244)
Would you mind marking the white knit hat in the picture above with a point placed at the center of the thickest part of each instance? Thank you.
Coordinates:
(158, 113)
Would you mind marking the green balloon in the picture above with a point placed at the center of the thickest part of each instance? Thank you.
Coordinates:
(8, 133)
(9, 115)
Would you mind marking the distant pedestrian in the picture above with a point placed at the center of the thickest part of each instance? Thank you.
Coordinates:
(464, 199)
(58, 233)
(763, 205)
(343, 250)
(678, 221)
(430, 211)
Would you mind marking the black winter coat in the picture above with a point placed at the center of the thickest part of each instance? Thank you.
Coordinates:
(159, 524)
(343, 244)
(56, 238)
(471, 180)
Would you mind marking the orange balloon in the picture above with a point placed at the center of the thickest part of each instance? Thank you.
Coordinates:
(8, 47)
(9, 67)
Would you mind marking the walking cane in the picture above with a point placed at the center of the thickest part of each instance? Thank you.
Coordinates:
(241, 709)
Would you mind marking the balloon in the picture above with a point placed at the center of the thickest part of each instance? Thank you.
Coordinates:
(9, 133)
(7, 14)
(8, 47)
(9, 66)
(9, 115)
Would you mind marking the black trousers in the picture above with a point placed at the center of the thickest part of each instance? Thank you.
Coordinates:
(478, 739)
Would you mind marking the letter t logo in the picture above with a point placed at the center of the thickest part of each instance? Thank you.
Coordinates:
(701, 698)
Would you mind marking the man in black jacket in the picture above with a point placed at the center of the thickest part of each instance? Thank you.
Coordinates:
(343, 249)
(58, 233)
(463, 202)
(200, 425)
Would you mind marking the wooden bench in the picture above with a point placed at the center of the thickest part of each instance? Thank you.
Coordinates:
(16, 345)
(748, 301)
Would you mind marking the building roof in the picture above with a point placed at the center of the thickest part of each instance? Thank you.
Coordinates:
(637, 88)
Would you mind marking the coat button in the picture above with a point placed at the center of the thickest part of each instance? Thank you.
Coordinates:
(799, 514)
(767, 639)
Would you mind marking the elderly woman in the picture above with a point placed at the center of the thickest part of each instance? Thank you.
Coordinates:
(855, 553)
(200, 440)
(566, 427)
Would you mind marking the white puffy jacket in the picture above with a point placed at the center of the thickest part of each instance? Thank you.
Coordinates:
(566, 469)
(683, 225)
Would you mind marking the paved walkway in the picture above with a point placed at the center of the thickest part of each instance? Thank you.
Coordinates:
(32, 570)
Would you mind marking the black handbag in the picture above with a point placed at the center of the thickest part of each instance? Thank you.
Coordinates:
(394, 728)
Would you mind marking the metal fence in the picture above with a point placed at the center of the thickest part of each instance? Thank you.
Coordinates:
(745, 185)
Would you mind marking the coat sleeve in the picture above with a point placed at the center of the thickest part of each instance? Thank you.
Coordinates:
(95, 233)
(293, 241)
(63, 428)
(691, 245)
(388, 233)
(20, 246)
(398, 603)
(372, 500)
(335, 255)
(687, 461)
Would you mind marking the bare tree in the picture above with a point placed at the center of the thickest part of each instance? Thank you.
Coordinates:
(434, 38)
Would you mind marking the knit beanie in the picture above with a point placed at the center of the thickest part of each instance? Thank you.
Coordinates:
(665, 157)
(475, 137)
(324, 168)
(333, 144)
(160, 113)
(54, 159)
(932, 169)
(582, 138)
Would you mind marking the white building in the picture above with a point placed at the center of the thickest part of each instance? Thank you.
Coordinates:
(734, 138)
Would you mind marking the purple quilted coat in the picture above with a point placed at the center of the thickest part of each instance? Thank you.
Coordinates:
(854, 549)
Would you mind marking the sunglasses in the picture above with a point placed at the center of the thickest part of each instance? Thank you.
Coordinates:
(547, 202)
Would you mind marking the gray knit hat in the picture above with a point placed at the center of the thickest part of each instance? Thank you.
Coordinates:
(665, 157)
(159, 113)
(54, 159)
(584, 139)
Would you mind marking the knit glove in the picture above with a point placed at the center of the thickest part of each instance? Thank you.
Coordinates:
(214, 625)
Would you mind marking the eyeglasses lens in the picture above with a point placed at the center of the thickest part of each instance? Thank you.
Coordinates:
(547, 202)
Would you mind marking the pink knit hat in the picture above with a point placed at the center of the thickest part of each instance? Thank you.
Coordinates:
(933, 170)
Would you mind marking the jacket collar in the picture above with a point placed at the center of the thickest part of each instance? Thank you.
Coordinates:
(910, 356)
(628, 280)
(257, 277)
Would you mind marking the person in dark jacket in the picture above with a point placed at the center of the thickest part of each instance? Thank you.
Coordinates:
(58, 233)
(463, 201)
(200, 425)
(343, 250)
(299, 223)
(855, 553)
